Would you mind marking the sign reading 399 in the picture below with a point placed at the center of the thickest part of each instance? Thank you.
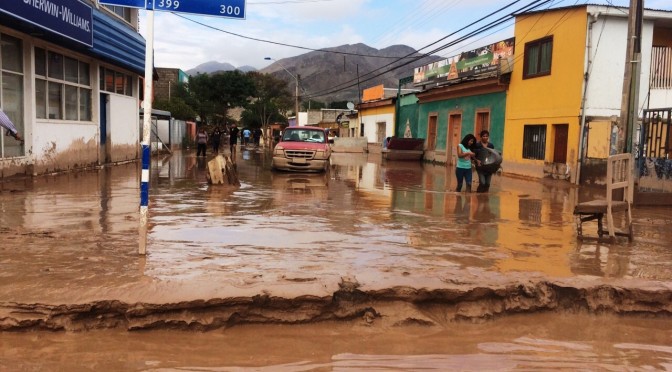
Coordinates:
(220, 8)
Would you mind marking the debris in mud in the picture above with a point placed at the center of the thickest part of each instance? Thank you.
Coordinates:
(220, 168)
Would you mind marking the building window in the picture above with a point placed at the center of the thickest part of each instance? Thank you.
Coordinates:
(121, 11)
(11, 92)
(482, 122)
(534, 142)
(538, 56)
(62, 87)
(116, 82)
(661, 67)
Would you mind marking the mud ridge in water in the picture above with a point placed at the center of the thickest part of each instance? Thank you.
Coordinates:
(394, 307)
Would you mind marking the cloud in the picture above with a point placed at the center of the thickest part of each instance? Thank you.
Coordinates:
(319, 24)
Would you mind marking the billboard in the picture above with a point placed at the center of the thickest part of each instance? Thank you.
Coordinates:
(470, 63)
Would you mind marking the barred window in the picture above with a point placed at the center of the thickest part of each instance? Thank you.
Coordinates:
(538, 56)
(62, 87)
(661, 67)
(116, 82)
(534, 142)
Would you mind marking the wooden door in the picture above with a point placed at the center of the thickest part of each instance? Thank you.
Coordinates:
(431, 133)
(453, 140)
(560, 143)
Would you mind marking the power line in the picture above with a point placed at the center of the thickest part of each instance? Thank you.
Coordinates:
(533, 5)
(283, 44)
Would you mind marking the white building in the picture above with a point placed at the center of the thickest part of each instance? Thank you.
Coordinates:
(70, 74)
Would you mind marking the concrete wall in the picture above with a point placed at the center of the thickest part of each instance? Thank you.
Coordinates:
(605, 84)
(370, 119)
(350, 144)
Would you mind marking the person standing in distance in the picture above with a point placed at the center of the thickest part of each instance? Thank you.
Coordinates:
(201, 142)
(233, 139)
(246, 136)
(7, 124)
(481, 151)
(464, 157)
(216, 138)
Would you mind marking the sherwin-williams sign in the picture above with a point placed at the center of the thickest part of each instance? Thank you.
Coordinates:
(474, 62)
(69, 18)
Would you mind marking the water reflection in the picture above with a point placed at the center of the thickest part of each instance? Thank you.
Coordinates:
(382, 216)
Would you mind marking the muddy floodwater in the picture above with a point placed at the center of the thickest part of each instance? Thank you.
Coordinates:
(370, 266)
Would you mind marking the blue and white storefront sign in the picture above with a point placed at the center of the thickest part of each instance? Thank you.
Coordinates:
(69, 18)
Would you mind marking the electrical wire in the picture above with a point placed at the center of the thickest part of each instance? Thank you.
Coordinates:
(533, 5)
(282, 44)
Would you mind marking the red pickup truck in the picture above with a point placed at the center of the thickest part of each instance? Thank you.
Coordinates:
(303, 149)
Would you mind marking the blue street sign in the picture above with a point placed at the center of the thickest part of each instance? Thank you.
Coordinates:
(221, 8)
(127, 3)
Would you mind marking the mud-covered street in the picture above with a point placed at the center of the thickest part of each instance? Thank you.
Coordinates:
(370, 266)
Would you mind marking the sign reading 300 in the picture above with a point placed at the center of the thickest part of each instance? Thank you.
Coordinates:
(221, 8)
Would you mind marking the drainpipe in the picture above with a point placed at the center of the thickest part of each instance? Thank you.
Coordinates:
(586, 76)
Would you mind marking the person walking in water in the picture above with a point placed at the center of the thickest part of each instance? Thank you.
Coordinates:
(482, 152)
(464, 157)
(201, 142)
(246, 136)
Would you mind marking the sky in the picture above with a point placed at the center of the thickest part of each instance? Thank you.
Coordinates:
(282, 27)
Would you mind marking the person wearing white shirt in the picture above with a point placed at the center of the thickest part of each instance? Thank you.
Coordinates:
(7, 124)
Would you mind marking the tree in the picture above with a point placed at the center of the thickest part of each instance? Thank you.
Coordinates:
(178, 108)
(214, 94)
(271, 102)
(313, 105)
(339, 105)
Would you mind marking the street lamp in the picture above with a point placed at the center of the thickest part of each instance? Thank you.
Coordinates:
(296, 93)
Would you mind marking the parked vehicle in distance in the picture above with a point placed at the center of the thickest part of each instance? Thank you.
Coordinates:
(304, 149)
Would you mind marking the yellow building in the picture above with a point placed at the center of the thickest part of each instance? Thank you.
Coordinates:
(564, 98)
(544, 99)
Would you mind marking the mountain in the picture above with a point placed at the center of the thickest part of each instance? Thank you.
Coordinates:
(338, 75)
(214, 66)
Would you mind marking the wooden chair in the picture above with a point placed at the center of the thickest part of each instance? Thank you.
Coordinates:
(620, 187)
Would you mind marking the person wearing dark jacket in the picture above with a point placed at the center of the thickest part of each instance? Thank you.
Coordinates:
(484, 171)
(216, 140)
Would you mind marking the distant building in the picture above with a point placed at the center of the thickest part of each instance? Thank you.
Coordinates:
(164, 86)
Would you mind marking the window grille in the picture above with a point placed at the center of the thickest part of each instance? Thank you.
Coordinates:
(534, 142)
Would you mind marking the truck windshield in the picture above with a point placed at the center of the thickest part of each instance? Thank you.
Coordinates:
(303, 135)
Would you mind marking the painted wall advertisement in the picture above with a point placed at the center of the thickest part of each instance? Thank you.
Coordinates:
(470, 63)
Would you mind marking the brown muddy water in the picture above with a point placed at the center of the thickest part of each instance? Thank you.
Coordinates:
(431, 279)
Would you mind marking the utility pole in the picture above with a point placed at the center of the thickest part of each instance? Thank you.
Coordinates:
(296, 101)
(630, 98)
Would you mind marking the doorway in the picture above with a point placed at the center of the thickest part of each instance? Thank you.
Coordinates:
(431, 132)
(104, 155)
(560, 143)
(453, 140)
